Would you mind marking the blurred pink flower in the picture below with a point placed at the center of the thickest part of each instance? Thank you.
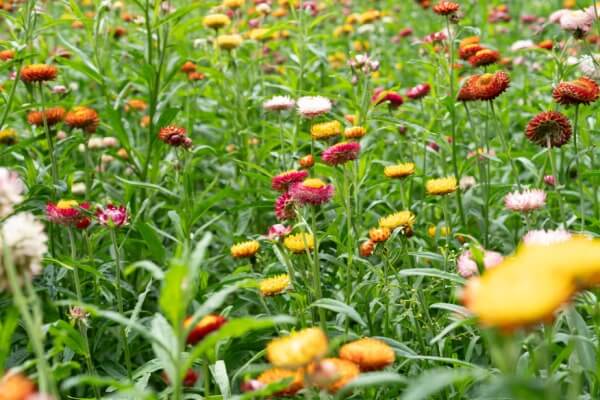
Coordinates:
(467, 267)
(546, 238)
(112, 216)
(341, 153)
(278, 231)
(525, 201)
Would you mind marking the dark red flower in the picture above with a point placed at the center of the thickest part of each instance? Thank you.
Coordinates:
(549, 128)
(580, 91)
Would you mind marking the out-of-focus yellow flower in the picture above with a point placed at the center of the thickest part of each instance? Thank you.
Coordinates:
(274, 375)
(326, 130)
(369, 16)
(337, 60)
(259, 34)
(400, 170)
(8, 136)
(441, 186)
(404, 219)
(299, 242)
(368, 353)
(570, 4)
(352, 18)
(354, 132)
(233, 4)
(274, 285)
(245, 249)
(532, 285)
(229, 42)
(345, 29)
(298, 349)
(432, 230)
(359, 45)
(216, 21)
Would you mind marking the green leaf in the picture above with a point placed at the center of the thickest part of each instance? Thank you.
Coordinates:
(153, 241)
(370, 379)
(339, 307)
(7, 328)
(434, 273)
(435, 380)
(161, 329)
(64, 333)
(174, 293)
(219, 372)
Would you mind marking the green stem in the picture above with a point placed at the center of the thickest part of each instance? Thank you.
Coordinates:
(50, 140)
(578, 167)
(557, 183)
(317, 268)
(113, 237)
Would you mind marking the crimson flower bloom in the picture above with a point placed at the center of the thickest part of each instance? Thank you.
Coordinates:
(312, 191)
(112, 216)
(393, 99)
(284, 207)
(206, 326)
(418, 92)
(68, 213)
(580, 91)
(341, 153)
(284, 180)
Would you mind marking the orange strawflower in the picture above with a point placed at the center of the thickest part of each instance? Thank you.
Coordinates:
(53, 115)
(484, 57)
(38, 73)
(84, 118)
(445, 8)
(368, 353)
(580, 91)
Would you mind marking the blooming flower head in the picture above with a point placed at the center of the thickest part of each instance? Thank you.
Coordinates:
(368, 353)
(283, 181)
(274, 375)
(333, 374)
(38, 73)
(11, 188)
(418, 92)
(274, 285)
(445, 8)
(206, 326)
(17, 387)
(549, 129)
(546, 238)
(313, 106)
(112, 216)
(175, 136)
(245, 249)
(284, 207)
(52, 115)
(297, 349)
(532, 285)
(216, 21)
(378, 235)
(299, 243)
(7, 54)
(469, 50)
(25, 239)
(399, 171)
(325, 130)
(578, 21)
(312, 191)
(354, 132)
(278, 231)
(441, 186)
(484, 57)
(467, 267)
(401, 219)
(69, 213)
(229, 42)
(484, 87)
(580, 91)
(279, 103)
(341, 153)
(84, 118)
(525, 201)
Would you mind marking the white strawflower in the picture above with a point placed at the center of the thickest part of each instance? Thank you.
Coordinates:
(11, 188)
(24, 237)
(590, 67)
(279, 103)
(522, 45)
(525, 201)
(313, 106)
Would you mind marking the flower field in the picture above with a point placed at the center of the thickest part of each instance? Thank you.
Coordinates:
(328, 199)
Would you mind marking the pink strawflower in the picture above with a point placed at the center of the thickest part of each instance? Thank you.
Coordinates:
(525, 201)
(550, 180)
(278, 231)
(418, 92)
(284, 207)
(284, 180)
(578, 21)
(556, 16)
(113, 216)
(467, 267)
(68, 213)
(279, 103)
(546, 238)
(311, 191)
(341, 153)
(313, 106)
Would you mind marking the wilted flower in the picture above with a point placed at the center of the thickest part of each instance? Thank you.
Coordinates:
(11, 188)
(23, 235)
(589, 66)
(467, 182)
(112, 216)
(525, 201)
(175, 136)
(279, 103)
(313, 106)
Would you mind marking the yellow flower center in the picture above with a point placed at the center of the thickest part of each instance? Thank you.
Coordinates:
(486, 79)
(66, 204)
(314, 183)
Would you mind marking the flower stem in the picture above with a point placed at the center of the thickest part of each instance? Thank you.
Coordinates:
(50, 140)
(557, 183)
(113, 237)
(578, 167)
(317, 268)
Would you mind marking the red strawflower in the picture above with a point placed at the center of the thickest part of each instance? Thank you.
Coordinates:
(445, 8)
(206, 326)
(283, 181)
(580, 91)
(284, 207)
(312, 191)
(112, 216)
(549, 128)
(484, 57)
(68, 213)
(418, 92)
(341, 153)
